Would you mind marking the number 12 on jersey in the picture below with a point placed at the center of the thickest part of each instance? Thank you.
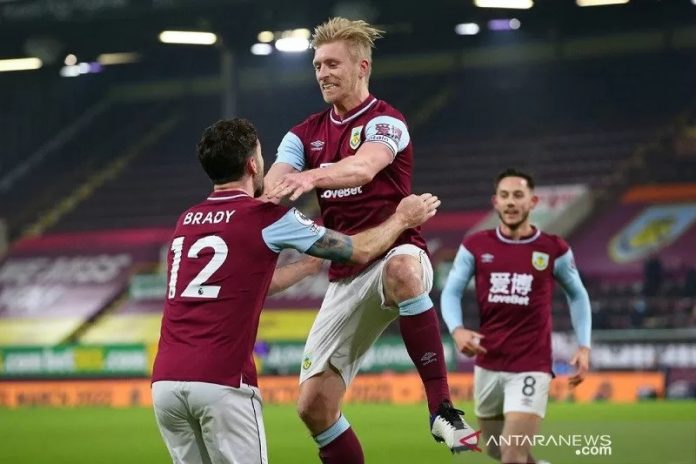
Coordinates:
(197, 288)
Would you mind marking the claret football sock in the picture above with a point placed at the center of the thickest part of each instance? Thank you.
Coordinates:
(421, 335)
(339, 445)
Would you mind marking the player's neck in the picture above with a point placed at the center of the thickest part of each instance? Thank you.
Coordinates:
(518, 233)
(351, 102)
(241, 186)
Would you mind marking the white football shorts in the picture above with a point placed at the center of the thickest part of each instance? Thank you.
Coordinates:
(496, 392)
(352, 316)
(204, 423)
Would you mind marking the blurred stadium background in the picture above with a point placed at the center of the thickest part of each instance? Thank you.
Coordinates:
(99, 123)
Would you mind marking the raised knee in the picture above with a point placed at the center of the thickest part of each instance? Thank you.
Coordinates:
(403, 276)
(317, 412)
(402, 269)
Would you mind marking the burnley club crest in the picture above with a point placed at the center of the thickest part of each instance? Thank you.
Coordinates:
(355, 137)
(540, 260)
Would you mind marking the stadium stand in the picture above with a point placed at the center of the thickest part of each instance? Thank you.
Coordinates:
(132, 165)
(599, 104)
(36, 110)
(75, 163)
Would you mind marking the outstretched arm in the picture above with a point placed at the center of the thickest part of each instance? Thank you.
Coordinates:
(290, 159)
(277, 171)
(352, 171)
(365, 246)
(294, 230)
(384, 138)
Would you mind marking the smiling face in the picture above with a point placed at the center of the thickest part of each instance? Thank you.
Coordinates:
(341, 76)
(513, 201)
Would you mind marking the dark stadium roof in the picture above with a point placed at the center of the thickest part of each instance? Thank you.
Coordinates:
(106, 25)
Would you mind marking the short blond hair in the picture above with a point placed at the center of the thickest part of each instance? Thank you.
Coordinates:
(359, 34)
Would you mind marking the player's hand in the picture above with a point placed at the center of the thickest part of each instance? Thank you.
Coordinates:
(467, 341)
(414, 210)
(581, 361)
(292, 185)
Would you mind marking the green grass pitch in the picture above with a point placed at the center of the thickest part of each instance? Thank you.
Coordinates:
(659, 432)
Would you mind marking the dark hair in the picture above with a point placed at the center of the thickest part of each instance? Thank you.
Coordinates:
(225, 148)
(512, 172)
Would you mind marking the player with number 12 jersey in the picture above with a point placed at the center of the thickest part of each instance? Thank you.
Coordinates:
(218, 241)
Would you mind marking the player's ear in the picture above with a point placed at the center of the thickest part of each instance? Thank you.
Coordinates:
(252, 166)
(494, 200)
(535, 200)
(364, 68)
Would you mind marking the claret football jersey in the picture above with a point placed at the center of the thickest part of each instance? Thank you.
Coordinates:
(220, 265)
(514, 288)
(325, 138)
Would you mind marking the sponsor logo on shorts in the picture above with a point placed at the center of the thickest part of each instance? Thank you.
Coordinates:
(306, 363)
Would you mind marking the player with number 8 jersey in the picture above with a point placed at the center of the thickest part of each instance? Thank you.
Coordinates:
(514, 266)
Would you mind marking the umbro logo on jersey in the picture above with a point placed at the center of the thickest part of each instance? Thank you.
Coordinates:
(486, 258)
(317, 145)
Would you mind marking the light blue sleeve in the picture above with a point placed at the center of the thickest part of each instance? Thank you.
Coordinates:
(293, 230)
(451, 298)
(567, 276)
(291, 151)
(388, 130)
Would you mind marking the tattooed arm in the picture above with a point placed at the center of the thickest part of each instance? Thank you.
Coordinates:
(333, 246)
(360, 248)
